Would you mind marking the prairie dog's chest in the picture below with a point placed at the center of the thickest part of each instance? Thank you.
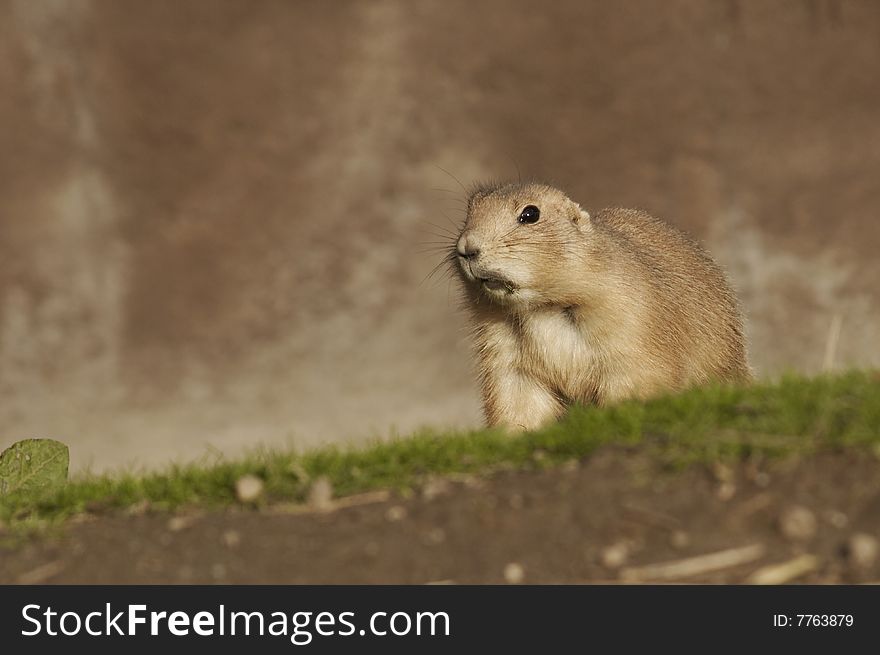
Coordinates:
(553, 347)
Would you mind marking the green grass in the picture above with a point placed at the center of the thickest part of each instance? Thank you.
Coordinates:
(795, 415)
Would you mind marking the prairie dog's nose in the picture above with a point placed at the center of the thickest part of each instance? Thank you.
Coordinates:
(468, 245)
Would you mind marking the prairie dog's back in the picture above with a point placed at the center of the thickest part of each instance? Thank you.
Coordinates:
(690, 301)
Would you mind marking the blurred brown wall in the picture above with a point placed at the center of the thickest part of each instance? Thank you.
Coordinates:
(212, 214)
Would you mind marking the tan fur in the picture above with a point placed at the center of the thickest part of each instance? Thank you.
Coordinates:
(588, 309)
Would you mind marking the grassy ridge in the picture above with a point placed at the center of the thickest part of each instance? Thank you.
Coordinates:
(795, 415)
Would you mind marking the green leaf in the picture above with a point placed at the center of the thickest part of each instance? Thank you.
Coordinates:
(33, 464)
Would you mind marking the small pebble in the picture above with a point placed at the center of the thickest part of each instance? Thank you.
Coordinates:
(862, 550)
(218, 571)
(138, 509)
(516, 501)
(395, 513)
(680, 539)
(321, 494)
(231, 538)
(722, 472)
(798, 523)
(178, 523)
(838, 519)
(615, 555)
(248, 488)
(434, 488)
(726, 491)
(514, 573)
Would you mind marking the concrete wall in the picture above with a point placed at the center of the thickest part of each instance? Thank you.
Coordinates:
(213, 216)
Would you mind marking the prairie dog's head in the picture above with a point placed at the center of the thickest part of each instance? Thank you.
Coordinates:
(519, 242)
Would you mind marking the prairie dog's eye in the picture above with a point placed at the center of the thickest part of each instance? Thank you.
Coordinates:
(530, 214)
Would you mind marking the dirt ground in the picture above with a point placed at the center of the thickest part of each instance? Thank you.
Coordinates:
(604, 519)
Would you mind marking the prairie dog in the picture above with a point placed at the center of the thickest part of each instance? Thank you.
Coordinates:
(572, 307)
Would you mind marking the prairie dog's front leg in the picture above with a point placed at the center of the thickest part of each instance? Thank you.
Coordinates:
(511, 398)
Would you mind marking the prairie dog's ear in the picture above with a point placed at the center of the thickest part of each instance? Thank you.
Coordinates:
(581, 217)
